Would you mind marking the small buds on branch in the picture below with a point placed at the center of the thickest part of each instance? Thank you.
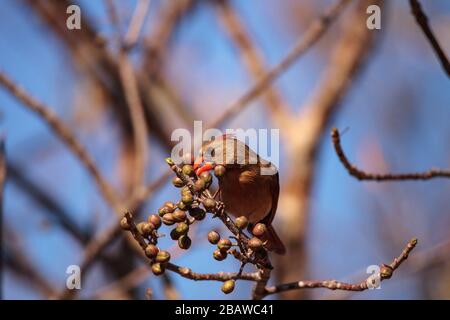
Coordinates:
(362, 175)
(162, 259)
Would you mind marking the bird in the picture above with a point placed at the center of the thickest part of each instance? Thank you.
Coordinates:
(249, 187)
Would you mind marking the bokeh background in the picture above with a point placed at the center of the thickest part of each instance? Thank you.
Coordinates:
(395, 113)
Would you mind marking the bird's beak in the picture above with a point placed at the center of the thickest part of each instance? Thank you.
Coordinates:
(201, 166)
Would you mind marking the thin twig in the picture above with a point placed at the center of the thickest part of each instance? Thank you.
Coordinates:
(422, 21)
(219, 276)
(362, 175)
(137, 22)
(386, 272)
(420, 261)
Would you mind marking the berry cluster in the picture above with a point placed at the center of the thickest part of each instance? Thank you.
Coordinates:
(195, 202)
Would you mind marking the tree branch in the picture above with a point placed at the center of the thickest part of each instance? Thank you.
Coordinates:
(263, 274)
(186, 272)
(386, 272)
(131, 91)
(137, 23)
(422, 21)
(362, 175)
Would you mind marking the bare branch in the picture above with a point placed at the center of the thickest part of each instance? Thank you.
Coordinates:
(386, 272)
(362, 175)
(219, 276)
(137, 22)
(422, 21)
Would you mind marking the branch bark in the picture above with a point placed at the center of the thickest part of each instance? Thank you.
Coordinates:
(363, 175)
(422, 21)
(386, 272)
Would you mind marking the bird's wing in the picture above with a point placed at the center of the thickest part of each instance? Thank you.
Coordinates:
(274, 185)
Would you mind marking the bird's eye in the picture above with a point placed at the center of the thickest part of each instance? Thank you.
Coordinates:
(211, 152)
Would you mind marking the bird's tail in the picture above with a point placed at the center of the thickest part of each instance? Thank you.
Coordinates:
(274, 242)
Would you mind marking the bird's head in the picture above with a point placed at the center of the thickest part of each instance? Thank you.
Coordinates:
(227, 151)
(217, 151)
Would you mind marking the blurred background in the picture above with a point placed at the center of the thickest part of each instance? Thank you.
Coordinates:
(193, 58)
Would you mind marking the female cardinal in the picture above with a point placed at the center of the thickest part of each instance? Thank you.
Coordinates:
(249, 187)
